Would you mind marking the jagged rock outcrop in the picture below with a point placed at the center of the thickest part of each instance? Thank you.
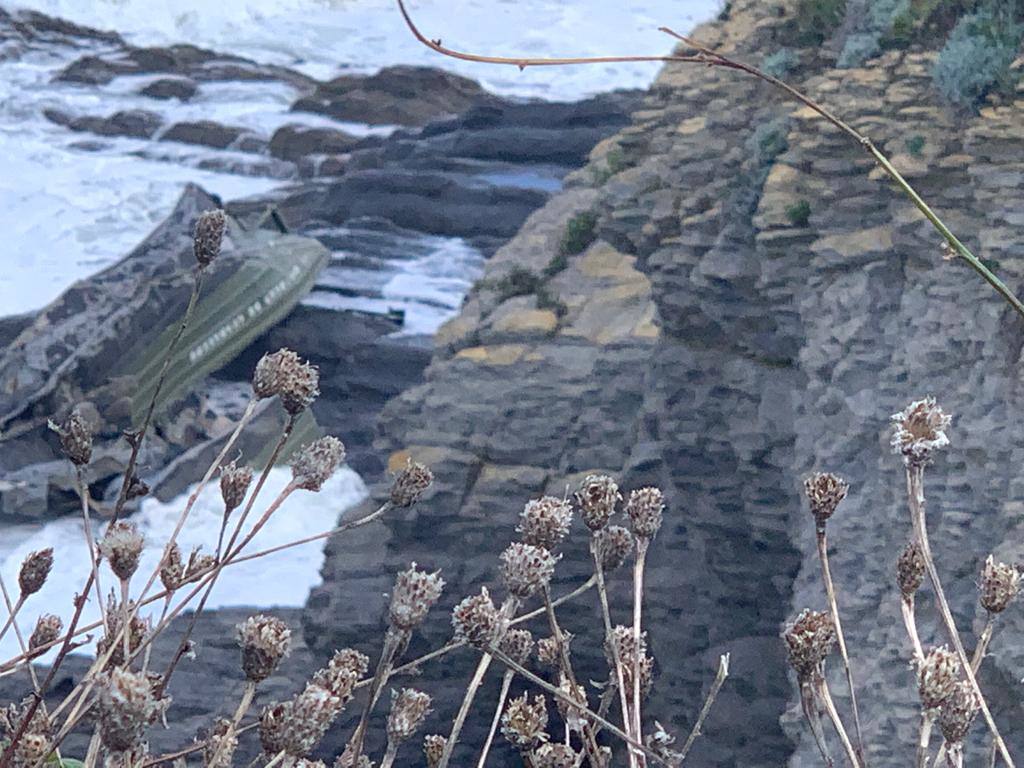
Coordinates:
(754, 304)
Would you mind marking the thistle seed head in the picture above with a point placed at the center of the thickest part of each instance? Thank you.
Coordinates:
(517, 644)
(410, 483)
(645, 512)
(597, 497)
(524, 724)
(221, 742)
(346, 668)
(548, 653)
(409, 708)
(12, 716)
(112, 641)
(476, 620)
(298, 385)
(910, 569)
(937, 675)
(172, 572)
(1000, 584)
(198, 564)
(433, 749)
(824, 492)
(958, 712)
(266, 379)
(809, 640)
(572, 716)
(526, 569)
(919, 430)
(48, 629)
(314, 464)
(207, 236)
(234, 483)
(346, 759)
(311, 713)
(126, 707)
(122, 546)
(75, 434)
(545, 522)
(555, 756)
(31, 750)
(264, 640)
(626, 647)
(34, 570)
(414, 594)
(613, 545)
(274, 728)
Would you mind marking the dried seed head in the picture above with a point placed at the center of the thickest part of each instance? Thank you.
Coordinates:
(409, 708)
(936, 676)
(548, 653)
(266, 379)
(410, 483)
(517, 644)
(526, 568)
(572, 716)
(1000, 584)
(48, 629)
(910, 569)
(524, 724)
(660, 742)
(12, 716)
(207, 236)
(31, 750)
(597, 497)
(234, 483)
(264, 640)
(122, 546)
(545, 522)
(476, 620)
(346, 668)
(34, 570)
(414, 594)
(198, 565)
(433, 749)
(958, 712)
(220, 744)
(313, 464)
(126, 707)
(298, 385)
(75, 434)
(172, 571)
(825, 491)
(809, 639)
(346, 759)
(919, 431)
(554, 756)
(275, 725)
(112, 641)
(644, 509)
(626, 647)
(311, 713)
(612, 545)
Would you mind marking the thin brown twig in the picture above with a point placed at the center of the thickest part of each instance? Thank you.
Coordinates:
(833, 714)
(709, 700)
(506, 684)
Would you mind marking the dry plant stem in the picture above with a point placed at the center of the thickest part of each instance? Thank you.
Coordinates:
(12, 611)
(198, 746)
(915, 496)
(561, 695)
(709, 57)
(830, 709)
(94, 561)
(589, 742)
(910, 622)
(955, 756)
(93, 752)
(243, 706)
(924, 738)
(393, 641)
(833, 605)
(809, 705)
(389, 755)
(506, 684)
(620, 681)
(716, 686)
(638, 601)
(467, 703)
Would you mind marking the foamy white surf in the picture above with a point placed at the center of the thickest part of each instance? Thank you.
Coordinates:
(282, 579)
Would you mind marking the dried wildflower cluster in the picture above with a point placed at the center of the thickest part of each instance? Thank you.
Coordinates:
(207, 236)
(284, 374)
(313, 464)
(545, 522)
(825, 491)
(644, 509)
(810, 638)
(1000, 584)
(597, 497)
(264, 641)
(937, 675)
(122, 547)
(47, 631)
(919, 430)
(76, 435)
(410, 484)
(625, 645)
(524, 723)
(127, 706)
(234, 484)
(910, 569)
(525, 568)
(409, 708)
(477, 621)
(414, 594)
(37, 733)
(35, 569)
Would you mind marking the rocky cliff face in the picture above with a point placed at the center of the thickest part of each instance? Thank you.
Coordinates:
(750, 304)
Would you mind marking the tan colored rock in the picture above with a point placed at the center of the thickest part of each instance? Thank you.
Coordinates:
(498, 354)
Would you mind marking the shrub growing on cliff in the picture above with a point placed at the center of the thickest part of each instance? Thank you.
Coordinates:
(817, 19)
(579, 233)
(977, 56)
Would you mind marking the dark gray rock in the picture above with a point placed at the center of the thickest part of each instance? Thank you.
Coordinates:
(206, 133)
(180, 88)
(400, 95)
(291, 142)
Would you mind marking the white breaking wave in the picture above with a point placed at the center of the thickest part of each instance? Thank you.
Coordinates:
(281, 579)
